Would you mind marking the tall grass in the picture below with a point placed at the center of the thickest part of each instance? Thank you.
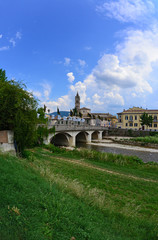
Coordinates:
(147, 139)
(118, 159)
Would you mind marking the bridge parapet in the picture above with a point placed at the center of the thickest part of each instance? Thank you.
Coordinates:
(59, 128)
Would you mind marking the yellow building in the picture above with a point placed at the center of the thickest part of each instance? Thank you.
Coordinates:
(131, 118)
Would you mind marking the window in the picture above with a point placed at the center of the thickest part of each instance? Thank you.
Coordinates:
(131, 124)
(135, 117)
(150, 125)
(131, 118)
(136, 124)
(126, 124)
(155, 125)
(155, 118)
(126, 117)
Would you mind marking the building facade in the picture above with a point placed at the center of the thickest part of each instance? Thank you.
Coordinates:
(130, 119)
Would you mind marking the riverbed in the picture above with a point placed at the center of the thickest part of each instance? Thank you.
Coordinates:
(146, 154)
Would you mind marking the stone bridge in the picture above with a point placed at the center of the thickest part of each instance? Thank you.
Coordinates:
(70, 135)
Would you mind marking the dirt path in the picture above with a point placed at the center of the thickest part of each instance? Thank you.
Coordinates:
(83, 164)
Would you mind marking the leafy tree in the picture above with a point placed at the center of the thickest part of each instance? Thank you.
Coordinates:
(17, 111)
(80, 115)
(71, 113)
(58, 112)
(146, 119)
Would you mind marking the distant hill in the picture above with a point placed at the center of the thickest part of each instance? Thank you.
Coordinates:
(62, 113)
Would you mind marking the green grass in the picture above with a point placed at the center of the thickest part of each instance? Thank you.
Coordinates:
(63, 194)
(147, 139)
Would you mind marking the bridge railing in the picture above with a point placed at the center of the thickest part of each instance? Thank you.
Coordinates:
(79, 128)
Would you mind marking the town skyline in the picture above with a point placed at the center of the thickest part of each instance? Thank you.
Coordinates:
(107, 51)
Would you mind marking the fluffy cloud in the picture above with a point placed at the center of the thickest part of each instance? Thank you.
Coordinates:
(81, 88)
(63, 103)
(1, 36)
(71, 77)
(96, 99)
(127, 10)
(131, 65)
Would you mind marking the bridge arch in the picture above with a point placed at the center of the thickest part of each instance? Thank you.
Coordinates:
(95, 135)
(60, 139)
(81, 137)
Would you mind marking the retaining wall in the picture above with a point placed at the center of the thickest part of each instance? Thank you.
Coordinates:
(7, 141)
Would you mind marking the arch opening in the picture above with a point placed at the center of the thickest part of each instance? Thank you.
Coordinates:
(60, 139)
(105, 134)
(95, 135)
(81, 138)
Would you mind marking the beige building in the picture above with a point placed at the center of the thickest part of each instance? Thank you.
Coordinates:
(131, 118)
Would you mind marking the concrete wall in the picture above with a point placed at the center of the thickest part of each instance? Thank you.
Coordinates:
(7, 141)
(128, 132)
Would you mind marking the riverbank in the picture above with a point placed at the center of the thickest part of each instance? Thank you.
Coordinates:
(64, 194)
(121, 144)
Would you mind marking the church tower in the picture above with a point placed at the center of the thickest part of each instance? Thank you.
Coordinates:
(77, 102)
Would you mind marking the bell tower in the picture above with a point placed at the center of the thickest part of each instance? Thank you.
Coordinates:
(77, 102)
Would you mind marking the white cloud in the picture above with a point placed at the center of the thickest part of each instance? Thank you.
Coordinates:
(46, 90)
(67, 61)
(81, 88)
(63, 103)
(127, 10)
(4, 48)
(12, 41)
(96, 99)
(1, 36)
(18, 35)
(82, 62)
(71, 77)
(37, 94)
(114, 99)
(132, 64)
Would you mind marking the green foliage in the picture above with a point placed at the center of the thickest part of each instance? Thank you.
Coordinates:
(80, 115)
(43, 132)
(58, 112)
(147, 139)
(17, 111)
(54, 149)
(117, 159)
(146, 119)
(41, 116)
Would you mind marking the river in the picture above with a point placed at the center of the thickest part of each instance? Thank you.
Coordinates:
(146, 154)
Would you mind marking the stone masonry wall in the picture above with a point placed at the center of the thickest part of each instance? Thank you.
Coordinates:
(7, 141)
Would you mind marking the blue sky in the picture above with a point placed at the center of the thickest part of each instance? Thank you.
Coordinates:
(107, 50)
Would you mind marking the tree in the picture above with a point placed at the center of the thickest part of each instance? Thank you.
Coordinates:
(145, 119)
(58, 112)
(80, 115)
(17, 111)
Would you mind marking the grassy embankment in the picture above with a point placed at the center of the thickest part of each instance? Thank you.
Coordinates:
(88, 195)
(147, 139)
